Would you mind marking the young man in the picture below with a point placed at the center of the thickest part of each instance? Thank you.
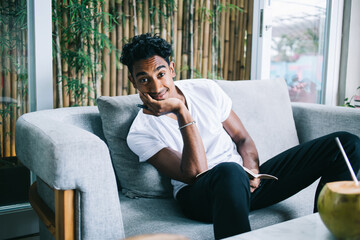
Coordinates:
(189, 132)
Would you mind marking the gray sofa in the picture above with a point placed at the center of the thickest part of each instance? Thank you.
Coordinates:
(83, 149)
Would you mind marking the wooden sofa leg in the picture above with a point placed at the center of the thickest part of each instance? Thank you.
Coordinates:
(65, 214)
(62, 225)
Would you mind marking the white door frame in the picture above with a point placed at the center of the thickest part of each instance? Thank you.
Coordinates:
(261, 40)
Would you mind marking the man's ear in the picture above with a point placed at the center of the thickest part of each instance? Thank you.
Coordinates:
(132, 80)
(172, 69)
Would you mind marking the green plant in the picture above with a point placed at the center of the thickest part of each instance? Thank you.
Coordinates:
(350, 102)
(13, 70)
(80, 42)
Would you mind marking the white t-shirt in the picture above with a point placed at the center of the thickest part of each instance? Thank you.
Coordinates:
(209, 106)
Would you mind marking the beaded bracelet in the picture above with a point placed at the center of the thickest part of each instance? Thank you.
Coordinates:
(188, 124)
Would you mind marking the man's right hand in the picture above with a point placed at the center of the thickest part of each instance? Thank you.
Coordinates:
(160, 107)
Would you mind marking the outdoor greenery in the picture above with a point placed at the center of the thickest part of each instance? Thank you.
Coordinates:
(13, 72)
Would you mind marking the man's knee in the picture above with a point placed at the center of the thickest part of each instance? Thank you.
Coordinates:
(351, 144)
(230, 176)
(348, 137)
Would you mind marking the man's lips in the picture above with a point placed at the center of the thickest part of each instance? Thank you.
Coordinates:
(160, 95)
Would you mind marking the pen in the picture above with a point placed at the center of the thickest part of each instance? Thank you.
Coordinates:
(142, 106)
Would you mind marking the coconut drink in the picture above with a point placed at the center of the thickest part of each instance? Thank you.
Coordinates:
(339, 209)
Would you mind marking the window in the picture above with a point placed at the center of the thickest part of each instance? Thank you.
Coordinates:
(298, 41)
(297, 47)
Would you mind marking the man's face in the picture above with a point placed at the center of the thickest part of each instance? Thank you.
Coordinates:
(155, 77)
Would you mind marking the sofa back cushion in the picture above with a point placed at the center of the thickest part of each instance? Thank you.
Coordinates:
(265, 110)
(136, 179)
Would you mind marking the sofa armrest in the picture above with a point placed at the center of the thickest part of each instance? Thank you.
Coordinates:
(67, 157)
(316, 120)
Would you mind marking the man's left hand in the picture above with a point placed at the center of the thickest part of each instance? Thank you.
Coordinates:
(254, 184)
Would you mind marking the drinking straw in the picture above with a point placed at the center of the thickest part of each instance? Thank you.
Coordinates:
(347, 161)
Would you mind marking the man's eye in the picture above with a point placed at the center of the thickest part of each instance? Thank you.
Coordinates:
(161, 75)
(143, 80)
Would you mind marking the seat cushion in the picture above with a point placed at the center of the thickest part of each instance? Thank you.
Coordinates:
(136, 179)
(144, 216)
(265, 110)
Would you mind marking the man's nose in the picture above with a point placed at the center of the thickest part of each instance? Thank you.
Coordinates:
(156, 86)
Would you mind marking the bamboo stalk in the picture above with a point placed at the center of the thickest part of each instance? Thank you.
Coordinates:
(131, 89)
(179, 37)
(97, 52)
(157, 16)
(196, 37)
(222, 40)
(232, 43)
(163, 24)
(214, 39)
(201, 38)
(80, 73)
(191, 36)
(24, 85)
(206, 44)
(227, 44)
(126, 35)
(90, 51)
(59, 87)
(209, 64)
(169, 23)
(119, 35)
(135, 18)
(7, 93)
(185, 41)
(242, 37)
(140, 17)
(237, 42)
(106, 58)
(112, 54)
(174, 18)
(151, 16)
(146, 20)
(65, 67)
(13, 89)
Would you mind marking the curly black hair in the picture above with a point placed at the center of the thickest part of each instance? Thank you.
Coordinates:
(144, 46)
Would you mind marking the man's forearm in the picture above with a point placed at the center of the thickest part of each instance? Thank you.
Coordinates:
(249, 154)
(193, 159)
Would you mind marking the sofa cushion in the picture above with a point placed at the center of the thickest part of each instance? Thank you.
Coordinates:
(265, 110)
(136, 179)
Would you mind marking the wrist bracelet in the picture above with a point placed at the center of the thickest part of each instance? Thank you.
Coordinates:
(188, 124)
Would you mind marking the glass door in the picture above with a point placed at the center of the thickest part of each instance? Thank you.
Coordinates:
(300, 42)
(297, 47)
(14, 177)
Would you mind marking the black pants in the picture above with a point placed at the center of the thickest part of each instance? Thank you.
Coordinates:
(222, 195)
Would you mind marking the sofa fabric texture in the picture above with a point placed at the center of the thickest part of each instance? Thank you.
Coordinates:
(267, 116)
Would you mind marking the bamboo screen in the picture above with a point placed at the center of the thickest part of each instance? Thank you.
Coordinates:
(209, 39)
(13, 74)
